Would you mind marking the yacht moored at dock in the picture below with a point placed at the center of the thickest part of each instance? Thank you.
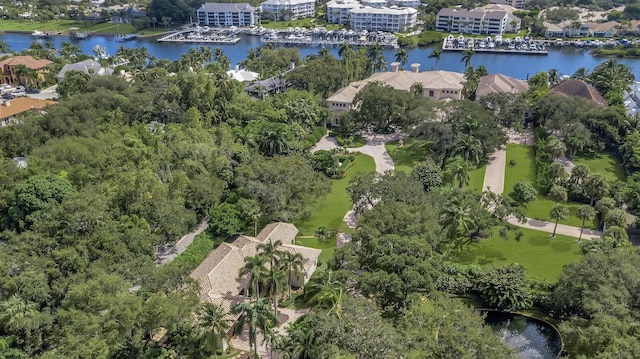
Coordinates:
(495, 45)
(125, 37)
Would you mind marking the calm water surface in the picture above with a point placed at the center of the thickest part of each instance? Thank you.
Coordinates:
(530, 338)
(566, 59)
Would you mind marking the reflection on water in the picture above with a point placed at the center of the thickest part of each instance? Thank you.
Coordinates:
(530, 338)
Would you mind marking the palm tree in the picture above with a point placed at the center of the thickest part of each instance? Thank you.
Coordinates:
(458, 171)
(436, 54)
(467, 55)
(23, 74)
(214, 321)
(611, 75)
(595, 186)
(324, 291)
(270, 251)
(343, 49)
(469, 148)
(581, 74)
(558, 212)
(585, 212)
(255, 267)
(293, 263)
(4, 47)
(302, 341)
(603, 207)
(555, 148)
(276, 280)
(553, 76)
(455, 215)
(402, 57)
(273, 142)
(256, 315)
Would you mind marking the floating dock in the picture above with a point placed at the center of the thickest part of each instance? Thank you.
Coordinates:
(495, 45)
(203, 36)
(322, 37)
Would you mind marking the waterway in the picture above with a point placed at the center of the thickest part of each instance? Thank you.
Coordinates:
(566, 59)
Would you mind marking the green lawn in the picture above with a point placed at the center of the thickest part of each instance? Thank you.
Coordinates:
(525, 169)
(331, 209)
(604, 163)
(328, 247)
(413, 151)
(542, 256)
(27, 25)
(406, 156)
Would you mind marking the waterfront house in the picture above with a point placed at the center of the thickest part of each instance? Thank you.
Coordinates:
(226, 14)
(242, 75)
(218, 276)
(126, 15)
(288, 9)
(567, 28)
(436, 85)
(9, 109)
(603, 29)
(391, 19)
(270, 86)
(499, 83)
(477, 21)
(89, 67)
(10, 65)
(575, 87)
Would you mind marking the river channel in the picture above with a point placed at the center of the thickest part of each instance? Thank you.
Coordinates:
(566, 59)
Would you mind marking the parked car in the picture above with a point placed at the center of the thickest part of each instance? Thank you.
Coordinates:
(8, 96)
(33, 90)
(20, 89)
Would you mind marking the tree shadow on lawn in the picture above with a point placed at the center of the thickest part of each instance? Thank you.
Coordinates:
(481, 256)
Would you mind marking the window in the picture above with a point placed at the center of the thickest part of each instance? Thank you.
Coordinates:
(430, 93)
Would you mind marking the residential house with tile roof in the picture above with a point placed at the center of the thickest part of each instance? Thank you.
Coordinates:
(218, 276)
(10, 109)
(499, 83)
(436, 85)
(575, 87)
(89, 67)
(10, 65)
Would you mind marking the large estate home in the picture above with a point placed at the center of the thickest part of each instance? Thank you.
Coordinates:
(218, 276)
(288, 9)
(477, 21)
(575, 87)
(10, 72)
(436, 85)
(226, 14)
(89, 67)
(499, 83)
(10, 109)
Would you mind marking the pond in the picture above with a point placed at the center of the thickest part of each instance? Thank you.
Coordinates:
(530, 338)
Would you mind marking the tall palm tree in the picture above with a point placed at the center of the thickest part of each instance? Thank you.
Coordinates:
(554, 76)
(458, 171)
(603, 206)
(292, 263)
(455, 215)
(402, 57)
(302, 341)
(470, 148)
(257, 316)
(555, 148)
(271, 252)
(596, 186)
(436, 54)
(585, 212)
(214, 321)
(276, 281)
(467, 55)
(255, 267)
(611, 75)
(343, 49)
(581, 74)
(273, 142)
(324, 291)
(558, 212)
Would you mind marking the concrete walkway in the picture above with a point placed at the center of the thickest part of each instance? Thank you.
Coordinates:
(168, 253)
(494, 182)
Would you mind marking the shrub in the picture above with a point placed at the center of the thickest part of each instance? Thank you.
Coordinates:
(506, 288)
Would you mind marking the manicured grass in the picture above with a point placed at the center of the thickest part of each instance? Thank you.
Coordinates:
(26, 25)
(525, 170)
(542, 256)
(331, 209)
(406, 156)
(110, 28)
(328, 247)
(605, 164)
(477, 179)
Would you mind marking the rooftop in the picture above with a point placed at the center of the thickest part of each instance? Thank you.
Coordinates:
(226, 7)
(27, 61)
(499, 83)
(575, 87)
(86, 66)
(10, 108)
(383, 10)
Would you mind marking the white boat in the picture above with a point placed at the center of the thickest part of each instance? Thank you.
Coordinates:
(125, 37)
(512, 47)
(498, 39)
(482, 45)
(40, 34)
(491, 45)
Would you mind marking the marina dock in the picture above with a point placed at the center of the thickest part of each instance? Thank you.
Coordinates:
(322, 37)
(203, 35)
(495, 45)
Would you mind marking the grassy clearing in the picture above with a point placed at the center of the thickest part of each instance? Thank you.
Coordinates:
(477, 178)
(406, 156)
(525, 169)
(331, 209)
(542, 256)
(28, 25)
(605, 164)
(328, 247)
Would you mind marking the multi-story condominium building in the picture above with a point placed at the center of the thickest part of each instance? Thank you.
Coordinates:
(226, 14)
(520, 4)
(338, 10)
(392, 19)
(374, 3)
(477, 22)
(288, 9)
(405, 3)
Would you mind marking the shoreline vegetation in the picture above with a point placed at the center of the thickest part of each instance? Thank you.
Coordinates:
(63, 28)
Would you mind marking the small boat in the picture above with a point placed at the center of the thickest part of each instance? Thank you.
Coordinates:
(125, 37)
(498, 39)
(40, 34)
(82, 35)
(491, 45)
